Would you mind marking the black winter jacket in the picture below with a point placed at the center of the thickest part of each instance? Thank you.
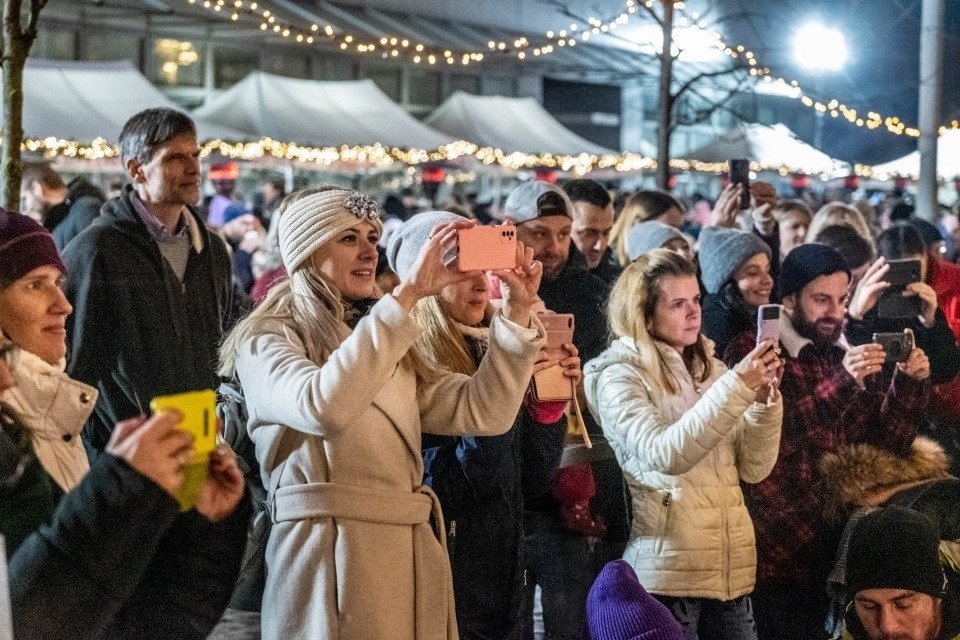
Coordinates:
(81, 207)
(114, 557)
(482, 484)
(726, 316)
(136, 331)
(609, 269)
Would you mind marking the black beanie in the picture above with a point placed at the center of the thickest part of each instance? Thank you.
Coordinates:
(808, 262)
(894, 548)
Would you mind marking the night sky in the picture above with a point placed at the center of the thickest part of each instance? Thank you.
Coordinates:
(883, 39)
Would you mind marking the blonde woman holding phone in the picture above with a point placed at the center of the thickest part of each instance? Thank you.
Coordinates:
(686, 432)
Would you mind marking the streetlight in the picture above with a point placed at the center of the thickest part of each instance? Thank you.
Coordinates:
(817, 47)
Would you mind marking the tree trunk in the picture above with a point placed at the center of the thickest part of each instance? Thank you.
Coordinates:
(16, 46)
(665, 115)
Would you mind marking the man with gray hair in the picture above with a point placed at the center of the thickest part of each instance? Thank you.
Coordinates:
(150, 284)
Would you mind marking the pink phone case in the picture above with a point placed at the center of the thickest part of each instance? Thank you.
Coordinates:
(768, 323)
(551, 384)
(559, 328)
(487, 248)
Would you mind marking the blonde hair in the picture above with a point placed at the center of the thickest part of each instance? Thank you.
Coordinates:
(786, 209)
(640, 207)
(441, 346)
(633, 302)
(303, 303)
(839, 213)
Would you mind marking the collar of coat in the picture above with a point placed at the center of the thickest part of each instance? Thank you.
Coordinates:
(794, 343)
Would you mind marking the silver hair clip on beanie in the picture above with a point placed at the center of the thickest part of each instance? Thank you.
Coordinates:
(315, 219)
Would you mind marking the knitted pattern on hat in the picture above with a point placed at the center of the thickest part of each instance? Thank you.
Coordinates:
(648, 236)
(410, 237)
(313, 220)
(521, 204)
(24, 246)
(619, 608)
(723, 251)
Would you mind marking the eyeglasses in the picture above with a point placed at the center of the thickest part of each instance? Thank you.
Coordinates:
(10, 354)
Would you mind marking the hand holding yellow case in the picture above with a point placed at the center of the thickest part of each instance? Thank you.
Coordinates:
(199, 409)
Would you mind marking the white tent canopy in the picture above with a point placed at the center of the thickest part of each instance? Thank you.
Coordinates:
(948, 160)
(510, 124)
(772, 147)
(323, 114)
(83, 101)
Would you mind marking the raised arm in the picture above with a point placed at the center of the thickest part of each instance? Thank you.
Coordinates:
(283, 386)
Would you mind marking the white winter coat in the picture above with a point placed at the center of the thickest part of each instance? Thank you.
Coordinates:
(353, 554)
(53, 408)
(683, 456)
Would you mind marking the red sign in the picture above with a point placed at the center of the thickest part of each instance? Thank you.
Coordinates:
(800, 181)
(433, 174)
(546, 175)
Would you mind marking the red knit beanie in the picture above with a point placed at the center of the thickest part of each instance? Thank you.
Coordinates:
(24, 246)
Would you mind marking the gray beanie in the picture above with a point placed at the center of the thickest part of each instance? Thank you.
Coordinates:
(723, 251)
(408, 239)
(650, 235)
(524, 203)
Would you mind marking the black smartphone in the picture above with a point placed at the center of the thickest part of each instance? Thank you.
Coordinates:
(896, 346)
(740, 174)
(892, 303)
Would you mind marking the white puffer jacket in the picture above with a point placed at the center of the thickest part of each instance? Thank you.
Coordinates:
(683, 456)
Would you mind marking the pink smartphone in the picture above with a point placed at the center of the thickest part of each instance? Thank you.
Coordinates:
(559, 328)
(487, 248)
(551, 384)
(768, 323)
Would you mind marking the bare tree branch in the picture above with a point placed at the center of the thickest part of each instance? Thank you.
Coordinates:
(703, 76)
(36, 6)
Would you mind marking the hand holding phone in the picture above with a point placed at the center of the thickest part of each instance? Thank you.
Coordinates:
(552, 383)
(896, 346)
(199, 411)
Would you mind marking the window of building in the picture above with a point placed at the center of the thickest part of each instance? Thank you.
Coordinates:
(177, 63)
(463, 82)
(110, 47)
(424, 87)
(388, 80)
(494, 86)
(54, 44)
(285, 64)
(232, 65)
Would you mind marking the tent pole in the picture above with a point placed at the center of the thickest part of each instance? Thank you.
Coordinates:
(931, 77)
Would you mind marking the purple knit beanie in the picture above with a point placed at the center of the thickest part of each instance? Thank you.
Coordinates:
(619, 608)
(24, 246)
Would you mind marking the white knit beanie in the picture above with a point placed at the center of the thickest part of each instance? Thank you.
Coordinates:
(315, 219)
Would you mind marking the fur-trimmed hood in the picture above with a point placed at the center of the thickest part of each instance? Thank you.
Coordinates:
(864, 475)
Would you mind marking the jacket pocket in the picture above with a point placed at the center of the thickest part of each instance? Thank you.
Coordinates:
(663, 516)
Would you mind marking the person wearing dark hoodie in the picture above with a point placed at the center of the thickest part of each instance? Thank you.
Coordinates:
(735, 271)
(481, 481)
(150, 283)
(97, 550)
(64, 209)
(568, 540)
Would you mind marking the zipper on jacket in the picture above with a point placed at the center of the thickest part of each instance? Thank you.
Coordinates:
(725, 523)
(662, 532)
(453, 529)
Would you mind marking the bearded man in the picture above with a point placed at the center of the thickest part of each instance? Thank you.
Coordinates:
(834, 396)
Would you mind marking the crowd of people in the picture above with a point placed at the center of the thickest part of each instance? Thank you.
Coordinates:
(385, 468)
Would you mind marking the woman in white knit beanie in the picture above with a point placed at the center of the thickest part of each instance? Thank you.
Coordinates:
(336, 413)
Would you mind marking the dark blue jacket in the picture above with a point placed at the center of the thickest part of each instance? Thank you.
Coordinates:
(481, 483)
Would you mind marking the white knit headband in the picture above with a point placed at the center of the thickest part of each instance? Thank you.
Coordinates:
(315, 219)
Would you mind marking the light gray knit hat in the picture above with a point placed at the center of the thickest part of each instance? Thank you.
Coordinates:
(407, 241)
(522, 203)
(723, 251)
(650, 235)
(317, 218)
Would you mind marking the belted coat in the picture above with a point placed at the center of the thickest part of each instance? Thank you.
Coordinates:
(354, 552)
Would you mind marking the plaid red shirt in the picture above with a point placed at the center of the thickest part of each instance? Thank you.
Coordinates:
(824, 410)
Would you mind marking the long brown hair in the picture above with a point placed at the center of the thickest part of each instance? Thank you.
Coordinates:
(633, 302)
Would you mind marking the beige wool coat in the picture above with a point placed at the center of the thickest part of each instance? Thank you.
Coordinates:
(353, 553)
(683, 456)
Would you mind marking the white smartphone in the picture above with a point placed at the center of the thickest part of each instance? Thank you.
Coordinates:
(768, 323)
